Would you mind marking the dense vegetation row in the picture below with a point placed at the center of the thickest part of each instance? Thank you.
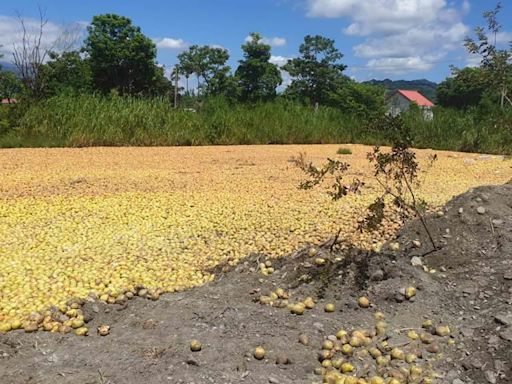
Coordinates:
(92, 120)
(113, 92)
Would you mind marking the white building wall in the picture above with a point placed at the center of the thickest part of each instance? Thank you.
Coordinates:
(397, 104)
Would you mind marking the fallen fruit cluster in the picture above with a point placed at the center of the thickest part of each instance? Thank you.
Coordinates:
(280, 299)
(65, 320)
(266, 268)
(368, 356)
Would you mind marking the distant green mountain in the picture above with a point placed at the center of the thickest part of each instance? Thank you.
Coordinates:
(425, 87)
(7, 66)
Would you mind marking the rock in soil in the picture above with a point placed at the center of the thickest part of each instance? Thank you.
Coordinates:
(507, 335)
(416, 261)
(504, 318)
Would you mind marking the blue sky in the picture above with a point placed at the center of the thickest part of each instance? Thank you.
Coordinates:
(398, 39)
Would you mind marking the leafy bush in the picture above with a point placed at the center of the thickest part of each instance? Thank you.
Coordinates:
(344, 151)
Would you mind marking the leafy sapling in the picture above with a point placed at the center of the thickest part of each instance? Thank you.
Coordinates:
(316, 175)
(395, 171)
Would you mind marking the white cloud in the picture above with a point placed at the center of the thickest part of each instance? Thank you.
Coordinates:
(83, 24)
(287, 80)
(414, 42)
(279, 60)
(272, 41)
(398, 35)
(331, 8)
(55, 36)
(503, 37)
(400, 65)
(379, 15)
(275, 41)
(170, 43)
(473, 61)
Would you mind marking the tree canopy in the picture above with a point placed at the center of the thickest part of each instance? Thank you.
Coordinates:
(120, 55)
(317, 71)
(67, 71)
(258, 78)
(464, 89)
(209, 66)
(355, 98)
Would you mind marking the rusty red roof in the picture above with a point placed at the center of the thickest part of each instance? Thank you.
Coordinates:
(8, 101)
(416, 97)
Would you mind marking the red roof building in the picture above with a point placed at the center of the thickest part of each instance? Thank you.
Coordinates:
(401, 100)
(8, 101)
(416, 97)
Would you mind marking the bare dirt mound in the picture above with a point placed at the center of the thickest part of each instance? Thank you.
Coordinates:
(470, 291)
(471, 227)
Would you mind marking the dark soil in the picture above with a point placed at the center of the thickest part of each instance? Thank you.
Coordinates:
(471, 291)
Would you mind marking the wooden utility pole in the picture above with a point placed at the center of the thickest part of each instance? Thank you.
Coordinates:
(176, 78)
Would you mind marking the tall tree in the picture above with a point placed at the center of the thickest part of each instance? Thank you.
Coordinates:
(317, 71)
(121, 56)
(209, 65)
(189, 63)
(258, 77)
(496, 62)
